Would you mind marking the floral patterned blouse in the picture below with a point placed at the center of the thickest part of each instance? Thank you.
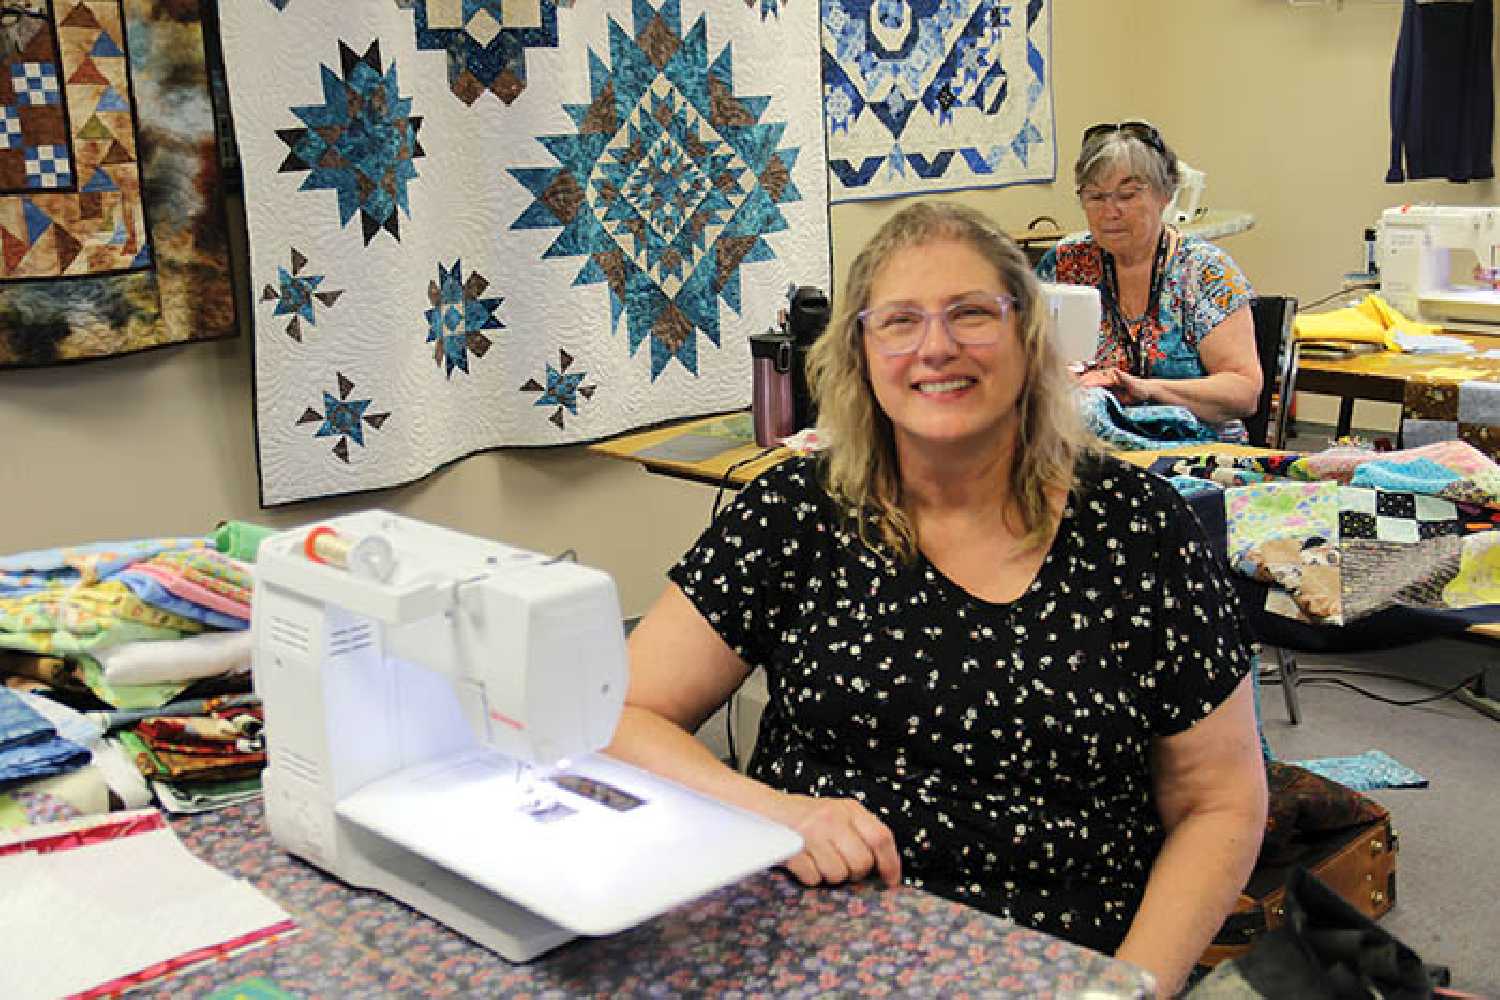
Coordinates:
(1005, 745)
(1201, 288)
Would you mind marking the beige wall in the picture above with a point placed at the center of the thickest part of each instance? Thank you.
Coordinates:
(1284, 107)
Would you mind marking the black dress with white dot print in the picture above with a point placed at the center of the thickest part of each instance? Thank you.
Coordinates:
(1005, 745)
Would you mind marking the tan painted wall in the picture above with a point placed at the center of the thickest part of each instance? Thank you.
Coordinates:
(1284, 107)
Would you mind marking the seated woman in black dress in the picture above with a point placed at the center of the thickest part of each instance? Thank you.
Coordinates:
(1002, 667)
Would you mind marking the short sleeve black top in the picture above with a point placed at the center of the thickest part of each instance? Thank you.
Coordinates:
(1005, 745)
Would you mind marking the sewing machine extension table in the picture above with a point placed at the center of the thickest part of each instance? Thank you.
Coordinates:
(763, 936)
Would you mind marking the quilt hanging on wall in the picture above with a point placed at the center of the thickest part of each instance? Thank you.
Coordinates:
(112, 234)
(486, 223)
(923, 96)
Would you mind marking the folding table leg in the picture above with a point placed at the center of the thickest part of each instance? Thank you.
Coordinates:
(1286, 664)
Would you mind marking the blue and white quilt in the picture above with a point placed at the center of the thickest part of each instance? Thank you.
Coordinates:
(922, 96)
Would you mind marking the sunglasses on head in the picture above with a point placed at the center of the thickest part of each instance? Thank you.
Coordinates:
(1144, 131)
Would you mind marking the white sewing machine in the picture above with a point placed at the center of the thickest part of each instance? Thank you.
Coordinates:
(1188, 198)
(1418, 277)
(1075, 311)
(433, 706)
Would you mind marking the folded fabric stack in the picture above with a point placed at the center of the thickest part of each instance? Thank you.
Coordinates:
(127, 631)
(198, 762)
(30, 746)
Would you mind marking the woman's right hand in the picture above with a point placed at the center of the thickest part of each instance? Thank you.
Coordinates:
(842, 842)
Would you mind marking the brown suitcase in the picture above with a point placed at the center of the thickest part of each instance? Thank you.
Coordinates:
(1359, 863)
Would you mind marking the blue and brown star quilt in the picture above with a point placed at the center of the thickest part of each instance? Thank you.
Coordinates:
(478, 224)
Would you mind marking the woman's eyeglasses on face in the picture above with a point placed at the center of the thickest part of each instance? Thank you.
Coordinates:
(897, 328)
(1123, 198)
(1142, 130)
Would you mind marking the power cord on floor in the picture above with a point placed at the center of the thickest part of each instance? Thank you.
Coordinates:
(1311, 675)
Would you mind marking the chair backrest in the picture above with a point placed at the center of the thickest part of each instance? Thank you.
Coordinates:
(1273, 315)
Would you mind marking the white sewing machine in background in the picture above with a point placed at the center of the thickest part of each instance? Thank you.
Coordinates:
(1418, 276)
(1187, 200)
(434, 703)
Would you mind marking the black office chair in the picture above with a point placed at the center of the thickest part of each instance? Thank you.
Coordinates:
(1273, 316)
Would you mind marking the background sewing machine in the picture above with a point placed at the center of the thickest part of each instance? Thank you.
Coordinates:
(1187, 201)
(433, 706)
(1075, 312)
(1419, 276)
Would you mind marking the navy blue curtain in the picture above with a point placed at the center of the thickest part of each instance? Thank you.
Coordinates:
(1443, 93)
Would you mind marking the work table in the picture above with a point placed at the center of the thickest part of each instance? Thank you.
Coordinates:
(764, 935)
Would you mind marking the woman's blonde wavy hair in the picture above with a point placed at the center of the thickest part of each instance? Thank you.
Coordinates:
(860, 465)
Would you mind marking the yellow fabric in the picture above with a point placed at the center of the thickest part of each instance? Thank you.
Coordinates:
(1373, 321)
(1478, 579)
(1383, 313)
(1348, 324)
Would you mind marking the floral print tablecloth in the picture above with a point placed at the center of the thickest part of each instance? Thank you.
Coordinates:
(765, 936)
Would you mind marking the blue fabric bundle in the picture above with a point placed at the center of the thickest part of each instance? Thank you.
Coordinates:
(1139, 427)
(1417, 475)
(29, 744)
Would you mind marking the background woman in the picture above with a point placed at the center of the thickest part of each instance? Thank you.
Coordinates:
(1176, 324)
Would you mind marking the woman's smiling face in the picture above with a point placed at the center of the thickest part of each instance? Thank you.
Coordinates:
(945, 393)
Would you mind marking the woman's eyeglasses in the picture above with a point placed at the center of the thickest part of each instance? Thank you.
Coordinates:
(1144, 131)
(1123, 198)
(898, 328)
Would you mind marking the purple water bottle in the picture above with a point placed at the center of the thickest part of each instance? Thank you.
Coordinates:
(772, 409)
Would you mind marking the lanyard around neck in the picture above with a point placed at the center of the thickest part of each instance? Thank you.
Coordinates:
(1131, 337)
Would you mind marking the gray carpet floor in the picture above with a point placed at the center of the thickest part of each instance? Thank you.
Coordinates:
(1448, 871)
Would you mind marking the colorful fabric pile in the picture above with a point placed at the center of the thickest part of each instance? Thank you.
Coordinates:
(200, 761)
(144, 646)
(1348, 532)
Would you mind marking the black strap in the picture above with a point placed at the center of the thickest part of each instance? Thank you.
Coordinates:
(1131, 337)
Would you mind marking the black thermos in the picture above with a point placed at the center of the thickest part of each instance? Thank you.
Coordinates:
(807, 318)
